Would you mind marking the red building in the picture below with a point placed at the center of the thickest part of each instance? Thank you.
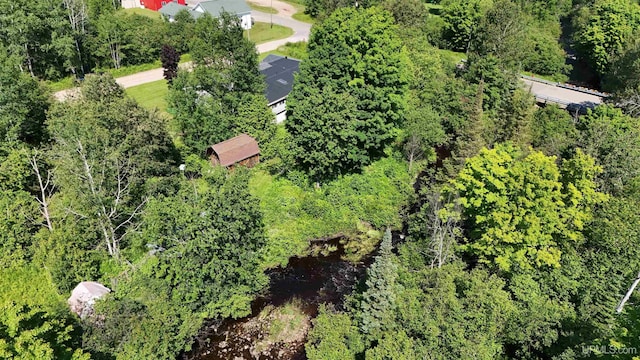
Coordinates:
(240, 150)
(157, 4)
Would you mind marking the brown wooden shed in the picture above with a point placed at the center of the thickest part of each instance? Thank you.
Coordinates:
(242, 150)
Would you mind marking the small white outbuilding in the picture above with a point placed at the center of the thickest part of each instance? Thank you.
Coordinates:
(84, 296)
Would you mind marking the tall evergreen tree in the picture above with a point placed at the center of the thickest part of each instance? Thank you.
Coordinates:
(378, 301)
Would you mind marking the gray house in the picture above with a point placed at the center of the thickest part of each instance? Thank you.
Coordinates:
(279, 72)
(214, 8)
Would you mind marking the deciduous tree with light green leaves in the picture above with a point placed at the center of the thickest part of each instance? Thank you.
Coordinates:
(520, 209)
(34, 320)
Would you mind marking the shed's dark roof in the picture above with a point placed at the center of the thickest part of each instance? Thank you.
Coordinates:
(278, 72)
(236, 149)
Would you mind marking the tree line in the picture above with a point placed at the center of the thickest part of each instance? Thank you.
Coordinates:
(55, 39)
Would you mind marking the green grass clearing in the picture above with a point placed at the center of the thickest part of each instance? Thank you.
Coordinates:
(561, 78)
(296, 50)
(453, 57)
(144, 12)
(287, 323)
(151, 95)
(299, 14)
(62, 84)
(262, 32)
(351, 205)
(264, 9)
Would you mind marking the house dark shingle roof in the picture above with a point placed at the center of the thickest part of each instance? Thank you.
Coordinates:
(278, 72)
(235, 149)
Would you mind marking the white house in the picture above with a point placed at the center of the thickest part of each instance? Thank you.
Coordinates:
(214, 8)
(279, 73)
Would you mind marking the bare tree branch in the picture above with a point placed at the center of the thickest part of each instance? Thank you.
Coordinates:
(628, 294)
(46, 189)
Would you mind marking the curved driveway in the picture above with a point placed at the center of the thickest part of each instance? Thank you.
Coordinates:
(300, 33)
(300, 29)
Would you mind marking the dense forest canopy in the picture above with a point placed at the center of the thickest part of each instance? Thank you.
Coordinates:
(497, 228)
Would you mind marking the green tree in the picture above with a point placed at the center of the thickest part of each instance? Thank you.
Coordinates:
(378, 301)
(23, 104)
(21, 218)
(396, 345)
(625, 70)
(498, 82)
(223, 95)
(334, 336)
(120, 39)
(369, 81)
(180, 31)
(553, 131)
(603, 29)
(450, 313)
(39, 34)
(502, 32)
(17, 228)
(542, 53)
(200, 247)
(522, 210)
(614, 140)
(35, 322)
(461, 22)
(411, 13)
(105, 148)
(537, 322)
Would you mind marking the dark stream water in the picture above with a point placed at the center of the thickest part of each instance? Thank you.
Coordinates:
(310, 280)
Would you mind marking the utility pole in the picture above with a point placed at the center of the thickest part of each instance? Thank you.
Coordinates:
(271, 13)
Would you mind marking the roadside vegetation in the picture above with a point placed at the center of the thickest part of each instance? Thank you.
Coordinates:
(264, 9)
(262, 32)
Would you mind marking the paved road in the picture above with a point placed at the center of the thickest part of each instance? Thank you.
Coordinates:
(564, 96)
(300, 33)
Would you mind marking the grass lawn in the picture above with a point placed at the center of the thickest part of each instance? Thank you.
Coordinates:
(299, 15)
(151, 95)
(62, 84)
(296, 50)
(144, 12)
(263, 32)
(452, 56)
(554, 78)
(264, 9)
